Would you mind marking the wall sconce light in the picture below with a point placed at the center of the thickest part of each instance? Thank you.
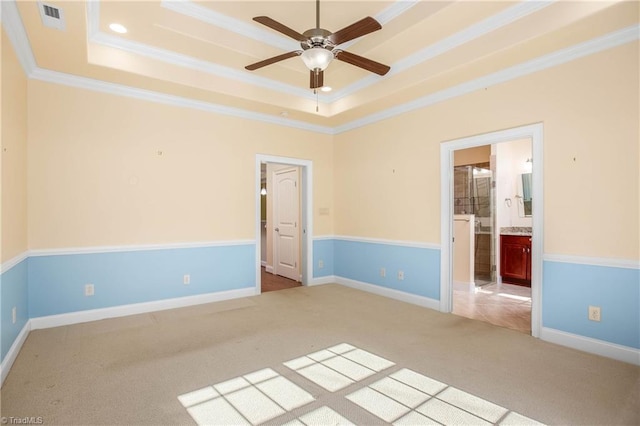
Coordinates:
(263, 191)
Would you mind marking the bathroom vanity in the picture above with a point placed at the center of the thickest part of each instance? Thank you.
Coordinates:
(515, 255)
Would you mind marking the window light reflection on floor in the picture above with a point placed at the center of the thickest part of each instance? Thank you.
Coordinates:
(513, 296)
(402, 397)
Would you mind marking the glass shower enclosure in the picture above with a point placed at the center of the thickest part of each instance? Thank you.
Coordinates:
(474, 190)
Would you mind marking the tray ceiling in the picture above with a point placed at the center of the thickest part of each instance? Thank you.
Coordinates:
(195, 51)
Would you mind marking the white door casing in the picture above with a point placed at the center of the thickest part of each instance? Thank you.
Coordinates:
(535, 133)
(286, 230)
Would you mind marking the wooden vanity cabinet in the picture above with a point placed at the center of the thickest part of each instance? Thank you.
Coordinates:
(515, 259)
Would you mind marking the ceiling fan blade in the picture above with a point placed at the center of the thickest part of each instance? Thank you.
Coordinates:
(275, 25)
(359, 61)
(316, 79)
(273, 60)
(355, 30)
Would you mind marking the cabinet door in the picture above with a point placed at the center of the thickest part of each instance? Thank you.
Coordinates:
(529, 260)
(514, 259)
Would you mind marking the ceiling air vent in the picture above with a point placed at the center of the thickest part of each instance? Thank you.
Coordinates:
(52, 17)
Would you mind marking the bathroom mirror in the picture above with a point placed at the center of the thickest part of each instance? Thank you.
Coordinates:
(525, 207)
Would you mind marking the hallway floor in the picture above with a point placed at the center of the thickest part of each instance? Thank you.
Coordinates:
(504, 305)
(271, 282)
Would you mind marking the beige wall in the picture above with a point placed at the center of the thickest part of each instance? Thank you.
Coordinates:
(96, 177)
(388, 174)
(14, 154)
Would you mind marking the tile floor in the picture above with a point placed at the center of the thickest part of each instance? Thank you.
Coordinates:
(401, 397)
(505, 305)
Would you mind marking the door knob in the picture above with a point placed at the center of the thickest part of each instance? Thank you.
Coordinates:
(277, 229)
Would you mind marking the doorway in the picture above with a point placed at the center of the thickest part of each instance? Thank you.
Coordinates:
(285, 220)
(535, 135)
(294, 250)
(487, 202)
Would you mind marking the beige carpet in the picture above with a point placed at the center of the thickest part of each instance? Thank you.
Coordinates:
(133, 370)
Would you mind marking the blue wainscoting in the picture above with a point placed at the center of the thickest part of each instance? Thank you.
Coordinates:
(568, 289)
(323, 251)
(13, 293)
(362, 260)
(56, 282)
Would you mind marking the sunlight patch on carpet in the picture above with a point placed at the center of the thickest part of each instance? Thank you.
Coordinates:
(403, 397)
(321, 416)
(409, 398)
(339, 366)
(250, 399)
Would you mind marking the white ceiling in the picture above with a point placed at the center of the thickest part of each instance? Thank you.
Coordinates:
(193, 53)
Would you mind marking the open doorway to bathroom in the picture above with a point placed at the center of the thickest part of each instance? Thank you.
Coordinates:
(490, 205)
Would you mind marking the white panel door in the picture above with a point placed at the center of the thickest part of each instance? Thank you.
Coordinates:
(286, 209)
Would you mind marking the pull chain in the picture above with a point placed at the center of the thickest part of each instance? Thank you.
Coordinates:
(315, 91)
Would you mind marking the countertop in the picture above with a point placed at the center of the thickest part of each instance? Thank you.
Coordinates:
(516, 230)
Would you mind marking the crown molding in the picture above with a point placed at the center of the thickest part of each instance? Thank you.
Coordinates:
(559, 57)
(148, 95)
(200, 65)
(394, 10)
(211, 17)
(98, 37)
(13, 26)
(191, 9)
(467, 35)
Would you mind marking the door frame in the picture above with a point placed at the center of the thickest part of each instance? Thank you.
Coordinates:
(533, 132)
(306, 213)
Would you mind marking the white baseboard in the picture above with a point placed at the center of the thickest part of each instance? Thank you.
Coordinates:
(137, 308)
(263, 263)
(393, 294)
(269, 269)
(8, 360)
(329, 279)
(594, 346)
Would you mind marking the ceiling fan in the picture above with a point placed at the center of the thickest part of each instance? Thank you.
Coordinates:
(319, 47)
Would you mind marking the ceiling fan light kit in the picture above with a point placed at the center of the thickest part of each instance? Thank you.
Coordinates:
(317, 58)
(319, 47)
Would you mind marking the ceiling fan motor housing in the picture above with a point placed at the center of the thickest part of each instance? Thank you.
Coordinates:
(317, 37)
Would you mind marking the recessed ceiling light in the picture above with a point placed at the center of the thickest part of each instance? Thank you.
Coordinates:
(118, 28)
(326, 88)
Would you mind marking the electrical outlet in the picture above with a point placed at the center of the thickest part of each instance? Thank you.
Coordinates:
(594, 313)
(14, 315)
(186, 279)
(383, 272)
(320, 264)
(89, 290)
(400, 275)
